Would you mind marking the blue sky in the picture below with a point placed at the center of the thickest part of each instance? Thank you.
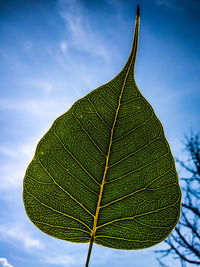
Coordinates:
(54, 52)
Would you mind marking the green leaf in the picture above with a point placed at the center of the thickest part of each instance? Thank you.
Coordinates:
(104, 172)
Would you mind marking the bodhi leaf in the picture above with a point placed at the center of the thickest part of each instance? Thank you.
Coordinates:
(104, 172)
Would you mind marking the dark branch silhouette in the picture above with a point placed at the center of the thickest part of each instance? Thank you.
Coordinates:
(184, 242)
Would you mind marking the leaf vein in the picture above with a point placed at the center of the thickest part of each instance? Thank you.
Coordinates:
(107, 102)
(126, 239)
(100, 117)
(133, 193)
(137, 169)
(150, 226)
(38, 181)
(76, 159)
(112, 89)
(60, 226)
(75, 177)
(133, 99)
(130, 115)
(94, 159)
(88, 135)
(57, 211)
(135, 128)
(65, 190)
(133, 153)
(139, 215)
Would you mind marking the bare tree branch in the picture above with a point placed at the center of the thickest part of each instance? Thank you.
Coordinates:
(184, 241)
(195, 210)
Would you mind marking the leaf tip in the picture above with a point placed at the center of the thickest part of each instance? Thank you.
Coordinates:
(138, 10)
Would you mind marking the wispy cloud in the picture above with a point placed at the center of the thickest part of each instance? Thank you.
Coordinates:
(43, 85)
(46, 86)
(83, 35)
(63, 46)
(11, 176)
(39, 107)
(11, 233)
(178, 5)
(166, 3)
(14, 162)
(4, 262)
(65, 260)
(171, 4)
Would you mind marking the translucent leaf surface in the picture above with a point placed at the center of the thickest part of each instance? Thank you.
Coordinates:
(104, 172)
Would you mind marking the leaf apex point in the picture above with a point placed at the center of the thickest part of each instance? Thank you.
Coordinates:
(138, 10)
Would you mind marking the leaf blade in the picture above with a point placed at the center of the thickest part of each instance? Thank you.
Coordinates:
(105, 170)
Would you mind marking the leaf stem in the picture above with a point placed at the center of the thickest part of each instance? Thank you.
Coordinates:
(89, 251)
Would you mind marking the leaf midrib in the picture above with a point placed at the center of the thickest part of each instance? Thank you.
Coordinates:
(110, 145)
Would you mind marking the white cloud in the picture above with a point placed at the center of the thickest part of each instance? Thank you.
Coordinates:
(20, 150)
(43, 85)
(14, 162)
(12, 175)
(46, 86)
(63, 46)
(10, 233)
(15, 157)
(36, 107)
(59, 260)
(83, 34)
(8, 152)
(4, 262)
